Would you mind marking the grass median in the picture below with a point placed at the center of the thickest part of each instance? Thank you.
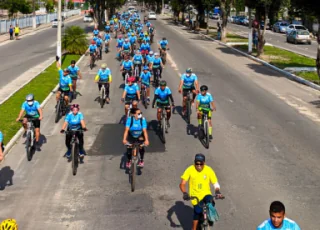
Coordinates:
(40, 86)
(283, 58)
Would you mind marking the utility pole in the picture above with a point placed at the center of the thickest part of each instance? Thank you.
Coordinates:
(34, 23)
(59, 31)
(250, 33)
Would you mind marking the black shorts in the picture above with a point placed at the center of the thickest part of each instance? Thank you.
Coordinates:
(66, 92)
(132, 139)
(36, 123)
(163, 105)
(185, 91)
(129, 100)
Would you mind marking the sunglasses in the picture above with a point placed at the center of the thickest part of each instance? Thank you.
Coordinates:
(139, 113)
(199, 164)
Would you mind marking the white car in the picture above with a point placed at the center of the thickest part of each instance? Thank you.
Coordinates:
(152, 15)
(87, 18)
(292, 27)
(216, 16)
(55, 23)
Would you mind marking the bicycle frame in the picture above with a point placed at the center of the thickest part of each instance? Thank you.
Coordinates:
(75, 147)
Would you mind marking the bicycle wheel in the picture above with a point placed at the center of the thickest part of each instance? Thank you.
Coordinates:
(164, 58)
(206, 134)
(163, 128)
(100, 54)
(133, 175)
(102, 96)
(28, 146)
(91, 63)
(188, 111)
(75, 158)
(144, 96)
(57, 117)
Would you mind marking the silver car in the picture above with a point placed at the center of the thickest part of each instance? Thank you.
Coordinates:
(292, 27)
(299, 36)
(280, 27)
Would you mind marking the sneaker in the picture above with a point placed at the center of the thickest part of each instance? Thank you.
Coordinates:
(128, 164)
(107, 100)
(68, 154)
(210, 137)
(141, 164)
(168, 124)
(148, 99)
(81, 154)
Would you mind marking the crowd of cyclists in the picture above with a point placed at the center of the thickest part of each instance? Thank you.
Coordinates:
(141, 68)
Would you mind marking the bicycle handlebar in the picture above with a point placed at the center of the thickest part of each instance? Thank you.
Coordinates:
(29, 119)
(130, 144)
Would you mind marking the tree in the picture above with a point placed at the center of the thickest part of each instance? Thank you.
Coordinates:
(70, 5)
(75, 40)
(15, 6)
(225, 7)
(49, 5)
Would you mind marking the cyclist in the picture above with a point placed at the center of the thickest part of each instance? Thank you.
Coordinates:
(74, 121)
(131, 94)
(162, 95)
(133, 40)
(93, 50)
(188, 82)
(120, 42)
(277, 219)
(145, 79)
(104, 77)
(199, 176)
(138, 60)
(99, 43)
(1, 146)
(146, 38)
(205, 103)
(32, 109)
(149, 59)
(144, 48)
(9, 224)
(65, 83)
(126, 66)
(107, 27)
(96, 31)
(157, 64)
(126, 47)
(151, 32)
(141, 36)
(163, 45)
(107, 39)
(148, 24)
(74, 74)
(136, 131)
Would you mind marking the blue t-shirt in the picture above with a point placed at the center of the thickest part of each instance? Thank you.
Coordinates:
(127, 65)
(95, 32)
(99, 42)
(65, 81)
(145, 77)
(107, 37)
(104, 74)
(136, 129)
(163, 43)
(141, 34)
(139, 29)
(116, 26)
(145, 46)
(150, 58)
(1, 137)
(204, 101)
(147, 39)
(163, 94)
(133, 39)
(95, 38)
(188, 82)
(92, 48)
(287, 224)
(126, 46)
(111, 22)
(31, 110)
(73, 70)
(137, 59)
(107, 28)
(74, 121)
(120, 42)
(156, 61)
(131, 90)
(148, 24)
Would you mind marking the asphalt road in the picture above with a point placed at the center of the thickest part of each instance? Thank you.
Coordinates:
(276, 39)
(263, 150)
(34, 48)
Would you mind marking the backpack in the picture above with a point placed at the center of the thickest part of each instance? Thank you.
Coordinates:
(213, 215)
(131, 123)
(11, 30)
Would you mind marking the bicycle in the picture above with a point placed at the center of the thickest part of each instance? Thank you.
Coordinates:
(203, 223)
(102, 94)
(143, 93)
(106, 46)
(100, 52)
(137, 67)
(163, 55)
(134, 162)
(156, 77)
(61, 107)
(74, 150)
(163, 124)
(188, 106)
(204, 128)
(126, 76)
(30, 138)
(92, 60)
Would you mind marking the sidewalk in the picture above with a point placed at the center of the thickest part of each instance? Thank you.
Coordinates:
(6, 37)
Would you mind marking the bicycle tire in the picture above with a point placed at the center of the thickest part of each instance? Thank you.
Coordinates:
(188, 111)
(91, 62)
(133, 175)
(163, 127)
(206, 130)
(164, 58)
(74, 158)
(144, 94)
(102, 97)
(57, 117)
(28, 147)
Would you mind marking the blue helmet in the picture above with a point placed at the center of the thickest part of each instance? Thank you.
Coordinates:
(145, 68)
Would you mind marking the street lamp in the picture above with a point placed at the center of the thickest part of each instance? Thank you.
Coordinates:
(59, 31)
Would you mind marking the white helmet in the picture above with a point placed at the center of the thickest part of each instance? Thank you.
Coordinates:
(151, 52)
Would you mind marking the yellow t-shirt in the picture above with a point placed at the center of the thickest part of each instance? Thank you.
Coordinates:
(199, 182)
(16, 29)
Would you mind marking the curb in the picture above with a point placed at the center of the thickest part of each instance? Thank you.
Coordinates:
(15, 138)
(285, 73)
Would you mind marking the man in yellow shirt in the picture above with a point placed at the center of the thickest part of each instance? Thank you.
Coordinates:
(199, 176)
(17, 31)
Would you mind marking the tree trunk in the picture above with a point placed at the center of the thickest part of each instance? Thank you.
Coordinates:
(224, 13)
(261, 35)
(318, 53)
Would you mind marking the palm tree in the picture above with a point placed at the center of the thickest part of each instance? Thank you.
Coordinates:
(74, 40)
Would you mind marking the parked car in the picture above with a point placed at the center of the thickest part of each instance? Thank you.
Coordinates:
(239, 20)
(152, 15)
(215, 16)
(299, 36)
(292, 27)
(280, 27)
(231, 19)
(143, 9)
(87, 18)
(55, 23)
(246, 21)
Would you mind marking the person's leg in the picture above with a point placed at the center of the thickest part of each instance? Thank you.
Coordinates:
(107, 86)
(194, 94)
(196, 216)
(81, 142)
(36, 124)
(58, 95)
(159, 111)
(67, 142)
(168, 114)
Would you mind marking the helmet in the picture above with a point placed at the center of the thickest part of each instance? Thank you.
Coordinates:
(66, 70)
(199, 157)
(73, 62)
(30, 97)
(103, 66)
(203, 88)
(151, 52)
(132, 34)
(145, 68)
(145, 33)
(189, 70)
(93, 42)
(9, 224)
(164, 38)
(131, 79)
(75, 106)
(156, 54)
(126, 40)
(163, 83)
(151, 25)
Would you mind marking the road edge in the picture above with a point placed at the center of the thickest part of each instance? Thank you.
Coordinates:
(15, 138)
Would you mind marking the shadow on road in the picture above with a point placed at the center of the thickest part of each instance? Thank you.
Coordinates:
(184, 215)
(316, 103)
(192, 130)
(227, 50)
(259, 68)
(6, 175)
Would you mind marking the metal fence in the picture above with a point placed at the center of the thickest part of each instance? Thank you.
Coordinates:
(27, 21)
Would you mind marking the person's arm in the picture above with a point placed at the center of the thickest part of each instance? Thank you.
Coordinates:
(171, 98)
(20, 114)
(155, 99)
(182, 186)
(57, 61)
(124, 94)
(161, 64)
(146, 141)
(79, 74)
(197, 104)
(213, 106)
(70, 85)
(138, 93)
(180, 85)
(83, 124)
(196, 83)
(64, 126)
(40, 113)
(125, 134)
